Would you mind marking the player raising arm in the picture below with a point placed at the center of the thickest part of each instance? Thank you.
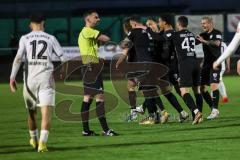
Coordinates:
(37, 48)
(232, 47)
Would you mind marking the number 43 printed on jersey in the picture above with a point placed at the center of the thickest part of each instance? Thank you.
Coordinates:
(189, 44)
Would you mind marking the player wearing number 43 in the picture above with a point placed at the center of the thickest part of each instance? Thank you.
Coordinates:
(37, 49)
(189, 72)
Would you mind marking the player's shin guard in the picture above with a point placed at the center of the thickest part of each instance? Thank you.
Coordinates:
(132, 99)
(199, 101)
(101, 115)
(208, 98)
(174, 102)
(85, 115)
(215, 98)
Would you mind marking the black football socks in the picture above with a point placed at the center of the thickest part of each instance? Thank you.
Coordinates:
(189, 102)
(85, 115)
(159, 103)
(174, 102)
(132, 99)
(100, 110)
(207, 97)
(215, 99)
(199, 102)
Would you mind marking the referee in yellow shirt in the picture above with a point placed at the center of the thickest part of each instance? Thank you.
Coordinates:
(92, 79)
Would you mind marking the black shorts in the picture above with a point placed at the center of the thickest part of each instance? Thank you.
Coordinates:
(171, 78)
(174, 78)
(173, 75)
(145, 85)
(92, 80)
(209, 75)
(135, 75)
(189, 73)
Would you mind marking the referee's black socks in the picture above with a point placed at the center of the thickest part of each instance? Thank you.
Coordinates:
(215, 99)
(85, 115)
(101, 115)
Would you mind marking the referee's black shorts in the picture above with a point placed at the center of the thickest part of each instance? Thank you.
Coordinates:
(92, 79)
(189, 73)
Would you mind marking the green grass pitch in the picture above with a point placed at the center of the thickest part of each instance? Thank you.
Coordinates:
(217, 139)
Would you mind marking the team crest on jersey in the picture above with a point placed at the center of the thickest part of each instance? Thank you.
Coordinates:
(169, 34)
(215, 76)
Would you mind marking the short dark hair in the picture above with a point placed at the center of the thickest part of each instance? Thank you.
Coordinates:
(183, 21)
(167, 18)
(89, 12)
(37, 17)
(152, 18)
(135, 18)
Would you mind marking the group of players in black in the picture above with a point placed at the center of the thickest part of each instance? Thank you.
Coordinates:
(159, 48)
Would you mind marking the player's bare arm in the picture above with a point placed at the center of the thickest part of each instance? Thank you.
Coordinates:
(122, 57)
(16, 65)
(238, 67)
(103, 38)
(232, 47)
(228, 65)
(15, 68)
(213, 43)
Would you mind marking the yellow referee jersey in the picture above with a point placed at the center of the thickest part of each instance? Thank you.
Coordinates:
(87, 42)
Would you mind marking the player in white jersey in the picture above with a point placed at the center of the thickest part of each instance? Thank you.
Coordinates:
(232, 47)
(36, 49)
(225, 68)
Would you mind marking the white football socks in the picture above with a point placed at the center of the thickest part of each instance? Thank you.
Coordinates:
(222, 89)
(34, 134)
(196, 111)
(44, 136)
